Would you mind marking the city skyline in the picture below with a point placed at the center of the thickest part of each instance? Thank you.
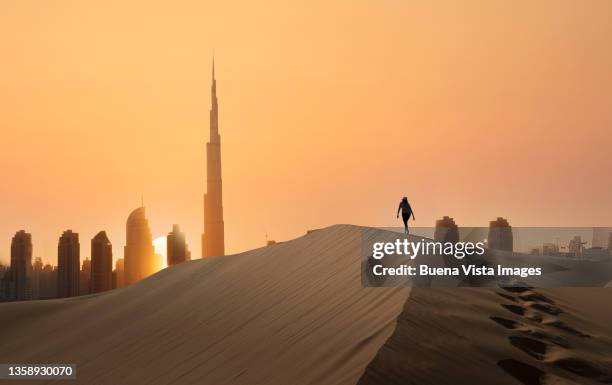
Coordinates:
(306, 117)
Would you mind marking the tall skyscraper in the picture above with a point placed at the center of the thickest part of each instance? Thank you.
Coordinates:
(601, 236)
(139, 255)
(446, 230)
(17, 278)
(213, 238)
(3, 272)
(68, 265)
(36, 278)
(176, 247)
(500, 235)
(119, 274)
(101, 263)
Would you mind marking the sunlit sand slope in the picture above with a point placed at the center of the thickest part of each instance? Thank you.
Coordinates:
(292, 313)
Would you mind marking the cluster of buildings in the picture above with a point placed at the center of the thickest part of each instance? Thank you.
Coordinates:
(601, 246)
(24, 279)
(500, 235)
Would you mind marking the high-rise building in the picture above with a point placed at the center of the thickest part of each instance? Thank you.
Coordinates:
(446, 230)
(85, 277)
(3, 271)
(500, 235)
(48, 282)
(68, 265)
(101, 263)
(576, 246)
(36, 278)
(139, 254)
(550, 249)
(177, 250)
(601, 236)
(119, 274)
(213, 238)
(17, 285)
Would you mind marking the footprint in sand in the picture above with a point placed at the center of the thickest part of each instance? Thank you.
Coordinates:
(530, 375)
(555, 339)
(539, 343)
(584, 369)
(516, 309)
(547, 308)
(507, 323)
(516, 289)
(566, 328)
(525, 373)
(535, 348)
(535, 297)
(507, 296)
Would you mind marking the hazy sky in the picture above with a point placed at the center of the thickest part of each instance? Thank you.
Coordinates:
(330, 112)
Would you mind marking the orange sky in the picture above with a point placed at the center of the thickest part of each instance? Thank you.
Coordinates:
(329, 113)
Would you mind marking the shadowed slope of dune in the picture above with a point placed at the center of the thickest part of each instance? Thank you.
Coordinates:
(499, 336)
(291, 313)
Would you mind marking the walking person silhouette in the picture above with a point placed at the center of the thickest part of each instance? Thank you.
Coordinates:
(406, 210)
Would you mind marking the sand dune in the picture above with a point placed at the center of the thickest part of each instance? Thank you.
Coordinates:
(499, 336)
(291, 313)
(295, 313)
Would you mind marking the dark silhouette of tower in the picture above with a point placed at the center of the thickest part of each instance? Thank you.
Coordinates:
(36, 278)
(119, 274)
(500, 235)
(3, 282)
(85, 277)
(176, 247)
(213, 238)
(446, 230)
(68, 264)
(139, 255)
(17, 277)
(101, 263)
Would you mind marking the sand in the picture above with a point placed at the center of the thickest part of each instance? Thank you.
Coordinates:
(295, 313)
(291, 313)
(497, 336)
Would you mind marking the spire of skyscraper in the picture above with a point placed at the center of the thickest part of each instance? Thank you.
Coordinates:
(213, 242)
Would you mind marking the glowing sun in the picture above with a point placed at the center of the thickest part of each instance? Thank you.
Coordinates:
(159, 244)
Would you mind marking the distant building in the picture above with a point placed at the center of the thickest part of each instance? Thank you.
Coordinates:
(139, 254)
(576, 245)
(595, 253)
(35, 280)
(500, 235)
(101, 263)
(85, 277)
(176, 247)
(550, 249)
(16, 282)
(270, 242)
(601, 237)
(610, 244)
(535, 251)
(119, 274)
(3, 270)
(68, 265)
(446, 230)
(48, 282)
